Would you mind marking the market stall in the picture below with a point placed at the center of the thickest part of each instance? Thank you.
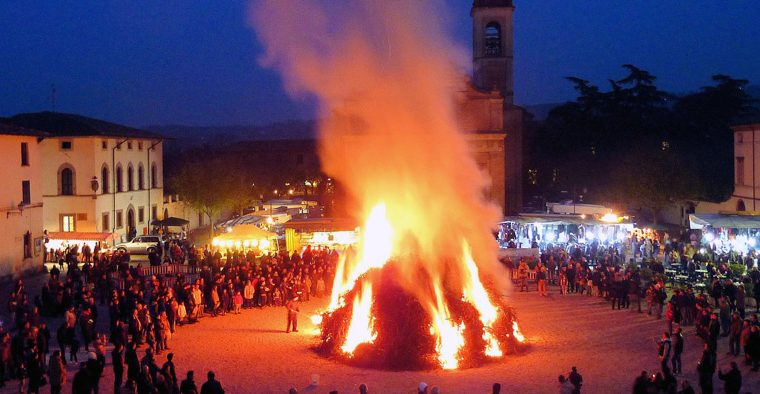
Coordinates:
(539, 230)
(68, 239)
(727, 232)
(320, 232)
(246, 236)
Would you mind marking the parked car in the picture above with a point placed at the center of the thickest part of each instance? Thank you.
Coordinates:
(142, 244)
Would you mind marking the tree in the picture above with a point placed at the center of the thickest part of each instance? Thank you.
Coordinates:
(205, 184)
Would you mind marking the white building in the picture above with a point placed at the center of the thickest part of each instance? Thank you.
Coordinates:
(21, 236)
(97, 176)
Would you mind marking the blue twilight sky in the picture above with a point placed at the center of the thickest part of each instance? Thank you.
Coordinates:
(194, 62)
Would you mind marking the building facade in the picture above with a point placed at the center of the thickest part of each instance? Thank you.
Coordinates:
(21, 232)
(97, 176)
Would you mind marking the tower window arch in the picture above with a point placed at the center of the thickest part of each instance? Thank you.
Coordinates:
(493, 39)
(130, 178)
(153, 176)
(119, 179)
(105, 179)
(140, 177)
(66, 181)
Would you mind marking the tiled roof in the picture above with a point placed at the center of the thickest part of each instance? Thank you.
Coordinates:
(59, 124)
(11, 129)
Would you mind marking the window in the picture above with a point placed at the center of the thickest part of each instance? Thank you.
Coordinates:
(104, 179)
(26, 193)
(119, 181)
(119, 219)
(740, 171)
(24, 154)
(154, 212)
(66, 145)
(493, 39)
(68, 222)
(153, 175)
(129, 145)
(130, 178)
(140, 177)
(106, 222)
(67, 182)
(104, 144)
(139, 145)
(200, 219)
(740, 137)
(141, 214)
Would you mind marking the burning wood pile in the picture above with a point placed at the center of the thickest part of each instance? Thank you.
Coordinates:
(374, 322)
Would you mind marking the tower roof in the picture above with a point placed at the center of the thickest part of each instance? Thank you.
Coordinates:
(492, 3)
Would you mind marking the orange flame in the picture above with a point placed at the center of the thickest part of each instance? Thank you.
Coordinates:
(449, 335)
(475, 293)
(361, 328)
(516, 331)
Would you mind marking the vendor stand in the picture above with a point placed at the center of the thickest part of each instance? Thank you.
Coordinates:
(247, 237)
(320, 232)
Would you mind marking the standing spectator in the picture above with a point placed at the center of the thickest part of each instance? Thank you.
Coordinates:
(677, 342)
(541, 279)
(56, 373)
(212, 386)
(576, 379)
(522, 274)
(188, 385)
(82, 383)
(565, 387)
(733, 379)
(663, 349)
(117, 360)
(706, 370)
(735, 334)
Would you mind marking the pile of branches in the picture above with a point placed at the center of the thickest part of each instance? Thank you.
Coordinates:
(404, 340)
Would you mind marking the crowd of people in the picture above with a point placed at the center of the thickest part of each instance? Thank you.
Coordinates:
(143, 312)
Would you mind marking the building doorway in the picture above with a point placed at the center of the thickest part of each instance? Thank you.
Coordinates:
(131, 225)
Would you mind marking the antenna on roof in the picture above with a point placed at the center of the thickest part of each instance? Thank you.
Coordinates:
(52, 96)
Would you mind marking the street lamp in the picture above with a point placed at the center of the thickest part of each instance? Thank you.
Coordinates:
(94, 184)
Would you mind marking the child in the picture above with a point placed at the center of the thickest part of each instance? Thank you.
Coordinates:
(238, 302)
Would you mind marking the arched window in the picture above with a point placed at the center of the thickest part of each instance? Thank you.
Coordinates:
(141, 177)
(130, 178)
(67, 182)
(104, 179)
(740, 206)
(119, 179)
(493, 39)
(153, 176)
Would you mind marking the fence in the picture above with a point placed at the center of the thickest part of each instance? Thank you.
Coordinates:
(169, 272)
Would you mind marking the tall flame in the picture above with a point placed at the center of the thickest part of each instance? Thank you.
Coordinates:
(360, 330)
(449, 338)
(475, 293)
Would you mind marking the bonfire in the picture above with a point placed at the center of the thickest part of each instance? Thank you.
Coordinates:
(374, 322)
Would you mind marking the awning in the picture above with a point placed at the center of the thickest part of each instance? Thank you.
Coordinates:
(245, 219)
(170, 222)
(82, 236)
(321, 225)
(720, 220)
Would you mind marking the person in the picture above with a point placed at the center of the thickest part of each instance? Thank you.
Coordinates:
(422, 388)
(706, 369)
(188, 385)
(677, 343)
(641, 382)
(541, 278)
(522, 272)
(82, 383)
(686, 388)
(212, 386)
(496, 389)
(434, 390)
(565, 387)
(293, 310)
(118, 367)
(733, 379)
(735, 334)
(169, 367)
(96, 371)
(362, 388)
(663, 349)
(56, 373)
(576, 379)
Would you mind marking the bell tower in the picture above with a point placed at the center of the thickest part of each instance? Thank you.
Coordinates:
(492, 47)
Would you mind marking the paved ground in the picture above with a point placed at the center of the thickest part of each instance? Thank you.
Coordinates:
(250, 353)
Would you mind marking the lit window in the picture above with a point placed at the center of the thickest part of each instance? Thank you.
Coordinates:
(67, 223)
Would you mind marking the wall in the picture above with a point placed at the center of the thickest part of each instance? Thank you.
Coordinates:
(15, 222)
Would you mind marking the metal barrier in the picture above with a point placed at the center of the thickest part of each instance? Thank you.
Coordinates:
(515, 275)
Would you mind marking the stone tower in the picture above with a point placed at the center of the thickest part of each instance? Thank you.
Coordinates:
(492, 64)
(492, 47)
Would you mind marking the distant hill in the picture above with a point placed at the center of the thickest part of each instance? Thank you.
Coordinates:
(191, 136)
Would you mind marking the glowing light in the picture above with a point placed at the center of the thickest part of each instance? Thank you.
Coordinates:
(316, 319)
(621, 236)
(246, 243)
(264, 244)
(361, 328)
(229, 244)
(550, 236)
(589, 236)
(215, 242)
(562, 237)
(602, 237)
(610, 218)
(269, 220)
(254, 243)
(709, 237)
